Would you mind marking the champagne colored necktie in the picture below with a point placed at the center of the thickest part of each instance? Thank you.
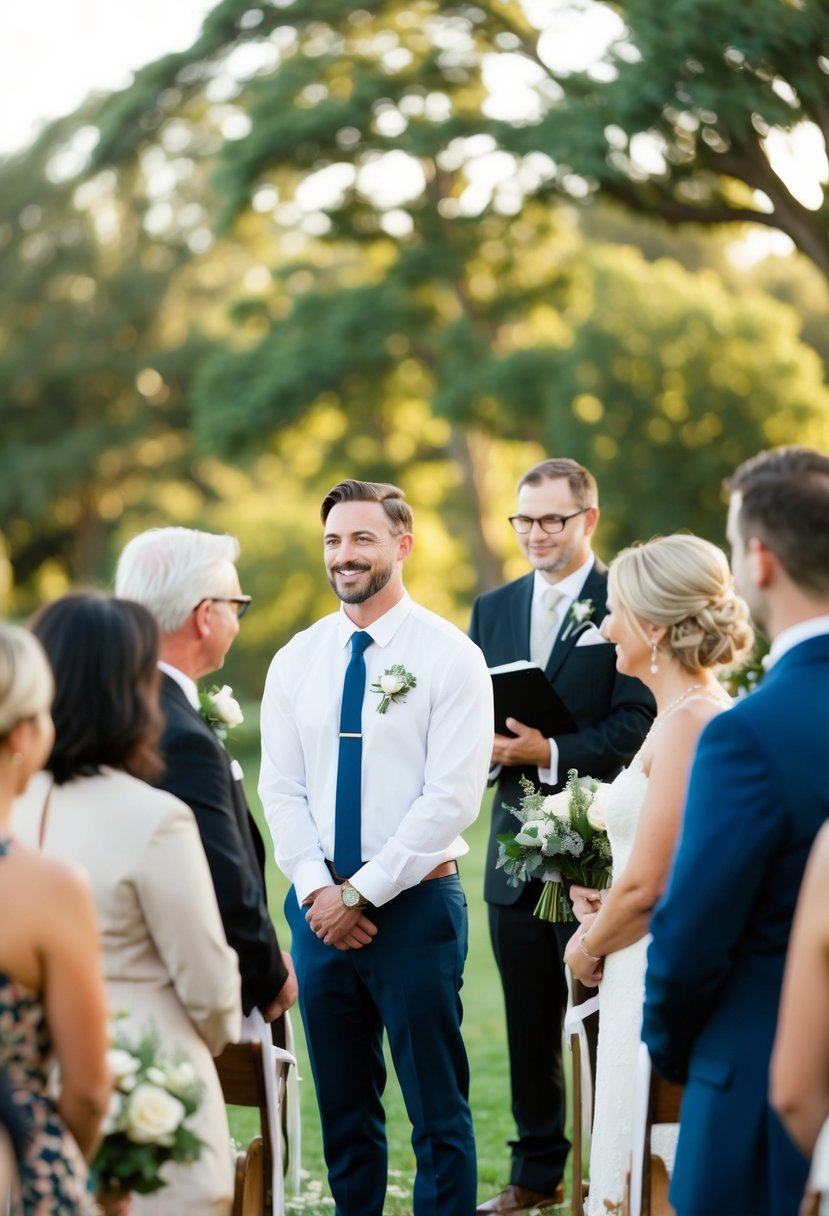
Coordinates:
(544, 627)
(347, 827)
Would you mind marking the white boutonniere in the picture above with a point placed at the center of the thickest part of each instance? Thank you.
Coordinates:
(579, 614)
(393, 685)
(220, 710)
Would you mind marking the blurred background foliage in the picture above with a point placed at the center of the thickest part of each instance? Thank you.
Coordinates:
(415, 242)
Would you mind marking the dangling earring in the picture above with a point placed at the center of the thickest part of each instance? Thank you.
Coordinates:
(654, 663)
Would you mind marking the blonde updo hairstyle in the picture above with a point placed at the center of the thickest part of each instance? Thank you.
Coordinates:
(684, 584)
(26, 684)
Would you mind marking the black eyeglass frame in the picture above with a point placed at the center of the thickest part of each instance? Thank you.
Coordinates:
(561, 521)
(242, 602)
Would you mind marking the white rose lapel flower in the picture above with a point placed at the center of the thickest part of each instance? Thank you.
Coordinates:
(578, 616)
(393, 685)
(220, 710)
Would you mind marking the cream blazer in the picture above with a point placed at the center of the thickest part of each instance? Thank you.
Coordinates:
(165, 958)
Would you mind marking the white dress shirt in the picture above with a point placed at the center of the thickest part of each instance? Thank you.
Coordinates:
(570, 588)
(425, 759)
(187, 686)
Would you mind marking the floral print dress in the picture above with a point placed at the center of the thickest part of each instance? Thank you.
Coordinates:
(53, 1174)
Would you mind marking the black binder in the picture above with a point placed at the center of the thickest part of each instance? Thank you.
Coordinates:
(522, 691)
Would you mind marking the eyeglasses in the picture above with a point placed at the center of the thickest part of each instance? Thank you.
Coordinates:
(241, 602)
(551, 524)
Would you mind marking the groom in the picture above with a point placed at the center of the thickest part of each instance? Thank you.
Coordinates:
(758, 794)
(556, 517)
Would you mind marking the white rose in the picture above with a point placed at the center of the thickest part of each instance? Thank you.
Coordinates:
(181, 1077)
(153, 1115)
(156, 1076)
(392, 684)
(226, 707)
(122, 1064)
(556, 804)
(596, 816)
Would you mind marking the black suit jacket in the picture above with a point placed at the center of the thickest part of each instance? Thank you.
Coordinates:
(198, 772)
(613, 712)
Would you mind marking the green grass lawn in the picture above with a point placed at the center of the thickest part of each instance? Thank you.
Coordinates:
(485, 1037)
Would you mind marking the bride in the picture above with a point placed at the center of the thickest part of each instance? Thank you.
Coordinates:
(675, 620)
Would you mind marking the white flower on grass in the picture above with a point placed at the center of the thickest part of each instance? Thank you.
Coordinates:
(153, 1115)
(226, 707)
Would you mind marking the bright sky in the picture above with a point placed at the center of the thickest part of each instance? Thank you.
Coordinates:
(53, 53)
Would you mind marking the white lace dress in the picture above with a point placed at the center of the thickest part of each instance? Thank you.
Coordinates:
(622, 994)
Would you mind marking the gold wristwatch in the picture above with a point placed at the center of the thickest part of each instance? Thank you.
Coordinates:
(351, 897)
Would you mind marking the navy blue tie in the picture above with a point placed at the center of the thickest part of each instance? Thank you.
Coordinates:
(348, 855)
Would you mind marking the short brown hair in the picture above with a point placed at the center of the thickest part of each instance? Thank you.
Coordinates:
(391, 498)
(106, 711)
(784, 497)
(581, 481)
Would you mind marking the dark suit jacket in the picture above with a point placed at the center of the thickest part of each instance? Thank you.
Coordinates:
(198, 772)
(613, 712)
(758, 794)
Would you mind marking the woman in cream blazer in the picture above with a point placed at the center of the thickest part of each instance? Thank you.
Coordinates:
(166, 960)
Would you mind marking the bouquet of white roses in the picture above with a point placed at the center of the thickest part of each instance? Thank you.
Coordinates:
(145, 1124)
(562, 836)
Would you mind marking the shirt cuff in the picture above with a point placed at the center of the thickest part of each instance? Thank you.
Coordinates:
(549, 776)
(310, 876)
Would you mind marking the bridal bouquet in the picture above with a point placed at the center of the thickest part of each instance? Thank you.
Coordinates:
(562, 836)
(146, 1123)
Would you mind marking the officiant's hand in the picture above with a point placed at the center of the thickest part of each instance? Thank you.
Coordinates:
(528, 747)
(336, 925)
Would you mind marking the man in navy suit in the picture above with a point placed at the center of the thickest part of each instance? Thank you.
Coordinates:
(556, 517)
(188, 581)
(758, 794)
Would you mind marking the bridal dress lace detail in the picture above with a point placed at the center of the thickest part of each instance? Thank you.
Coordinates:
(622, 993)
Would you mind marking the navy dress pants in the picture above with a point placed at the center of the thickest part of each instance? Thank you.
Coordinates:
(407, 981)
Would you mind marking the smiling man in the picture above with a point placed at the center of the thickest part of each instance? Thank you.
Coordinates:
(551, 617)
(376, 734)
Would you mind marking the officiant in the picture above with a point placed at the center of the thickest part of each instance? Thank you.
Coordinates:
(551, 617)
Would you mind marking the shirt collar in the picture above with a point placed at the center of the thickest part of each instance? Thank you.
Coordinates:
(187, 686)
(383, 629)
(815, 627)
(571, 586)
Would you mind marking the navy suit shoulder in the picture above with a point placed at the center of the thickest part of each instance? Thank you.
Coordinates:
(198, 772)
(758, 794)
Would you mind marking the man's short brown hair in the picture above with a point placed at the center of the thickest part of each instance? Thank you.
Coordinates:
(784, 503)
(390, 497)
(581, 481)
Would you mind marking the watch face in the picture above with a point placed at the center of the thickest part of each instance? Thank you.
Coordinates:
(351, 897)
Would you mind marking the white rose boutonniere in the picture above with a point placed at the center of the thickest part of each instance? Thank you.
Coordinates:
(220, 710)
(579, 614)
(393, 684)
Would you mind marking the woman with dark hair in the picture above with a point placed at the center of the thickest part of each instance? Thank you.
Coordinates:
(52, 999)
(166, 961)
